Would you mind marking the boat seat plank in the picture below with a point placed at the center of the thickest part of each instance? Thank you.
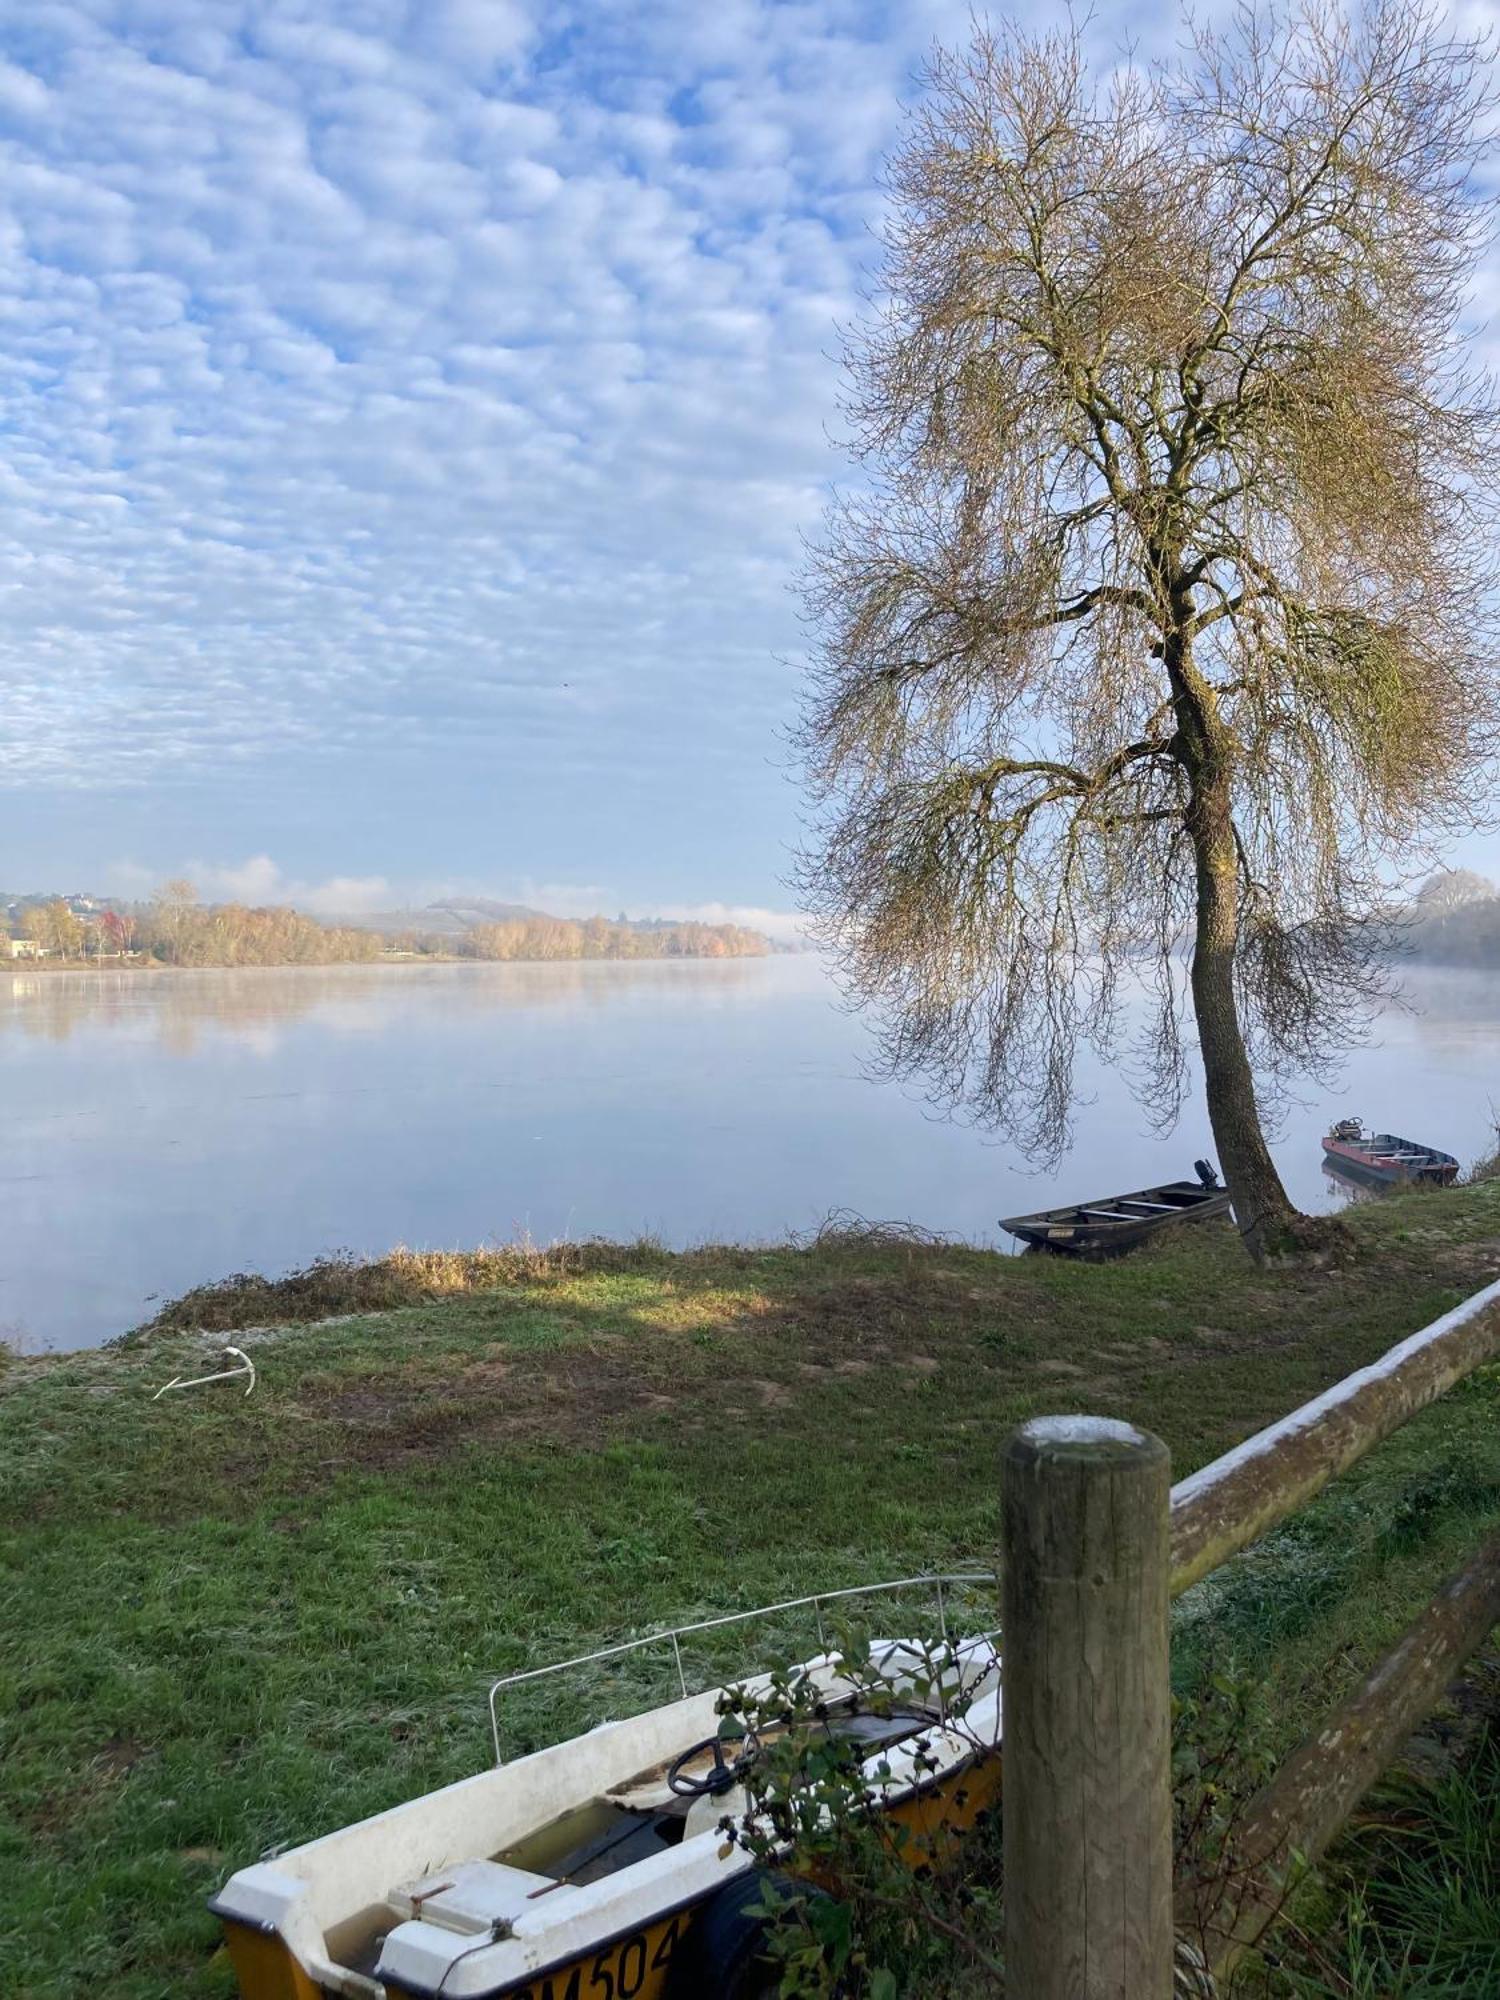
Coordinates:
(472, 1896)
(648, 1793)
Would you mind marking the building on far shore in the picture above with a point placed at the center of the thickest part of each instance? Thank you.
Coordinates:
(22, 948)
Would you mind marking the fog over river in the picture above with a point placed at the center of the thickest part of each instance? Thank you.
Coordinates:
(170, 1127)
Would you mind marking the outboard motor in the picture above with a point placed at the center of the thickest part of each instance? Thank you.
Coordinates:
(1205, 1172)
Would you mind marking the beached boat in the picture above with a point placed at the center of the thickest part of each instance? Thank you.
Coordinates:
(598, 1869)
(1118, 1222)
(1384, 1159)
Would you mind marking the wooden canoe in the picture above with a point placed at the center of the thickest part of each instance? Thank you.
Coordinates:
(1118, 1222)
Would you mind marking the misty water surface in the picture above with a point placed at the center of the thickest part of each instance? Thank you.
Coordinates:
(166, 1128)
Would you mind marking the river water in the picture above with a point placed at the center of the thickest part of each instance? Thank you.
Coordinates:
(161, 1129)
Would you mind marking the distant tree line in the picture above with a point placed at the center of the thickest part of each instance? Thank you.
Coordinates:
(1455, 920)
(596, 937)
(175, 928)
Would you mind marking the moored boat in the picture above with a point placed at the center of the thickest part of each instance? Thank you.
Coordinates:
(1119, 1222)
(599, 1866)
(1384, 1158)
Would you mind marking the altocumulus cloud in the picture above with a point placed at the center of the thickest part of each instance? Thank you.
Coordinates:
(409, 410)
(452, 376)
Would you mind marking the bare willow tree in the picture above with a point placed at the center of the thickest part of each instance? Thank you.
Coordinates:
(1162, 615)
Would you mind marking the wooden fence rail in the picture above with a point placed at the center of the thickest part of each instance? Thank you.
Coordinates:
(1234, 1500)
(1093, 1544)
(1324, 1779)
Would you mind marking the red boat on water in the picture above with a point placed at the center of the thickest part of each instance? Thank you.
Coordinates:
(1384, 1158)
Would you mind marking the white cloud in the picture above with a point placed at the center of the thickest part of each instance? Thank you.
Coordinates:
(258, 881)
(128, 880)
(558, 899)
(343, 895)
(22, 95)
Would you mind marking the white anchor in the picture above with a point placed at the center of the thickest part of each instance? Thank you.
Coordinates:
(224, 1375)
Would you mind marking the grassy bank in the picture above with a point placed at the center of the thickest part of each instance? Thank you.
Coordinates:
(229, 1623)
(1409, 1900)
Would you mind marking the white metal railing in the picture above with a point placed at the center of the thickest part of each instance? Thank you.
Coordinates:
(675, 1634)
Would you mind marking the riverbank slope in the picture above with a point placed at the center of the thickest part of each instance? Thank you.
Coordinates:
(231, 1623)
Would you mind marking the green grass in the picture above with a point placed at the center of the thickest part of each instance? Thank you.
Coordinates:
(1409, 1902)
(228, 1623)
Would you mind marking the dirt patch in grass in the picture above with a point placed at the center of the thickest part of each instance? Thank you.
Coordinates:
(758, 1354)
(1479, 1261)
(87, 1785)
(774, 1358)
(118, 1756)
(572, 1400)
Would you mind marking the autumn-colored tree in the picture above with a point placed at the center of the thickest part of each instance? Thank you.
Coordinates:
(554, 938)
(171, 913)
(54, 927)
(117, 930)
(1163, 615)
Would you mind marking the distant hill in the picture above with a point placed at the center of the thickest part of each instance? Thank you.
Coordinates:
(449, 919)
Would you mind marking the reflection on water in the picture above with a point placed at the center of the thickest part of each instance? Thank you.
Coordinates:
(176, 1007)
(165, 1128)
(1344, 1191)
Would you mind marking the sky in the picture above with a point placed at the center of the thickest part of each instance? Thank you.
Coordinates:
(410, 412)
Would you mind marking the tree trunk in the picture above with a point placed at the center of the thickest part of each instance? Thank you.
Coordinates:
(1262, 1210)
(1267, 1222)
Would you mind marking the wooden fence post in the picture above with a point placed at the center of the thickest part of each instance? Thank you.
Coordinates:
(1087, 1712)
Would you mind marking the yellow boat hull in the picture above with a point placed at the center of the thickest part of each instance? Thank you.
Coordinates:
(638, 1964)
